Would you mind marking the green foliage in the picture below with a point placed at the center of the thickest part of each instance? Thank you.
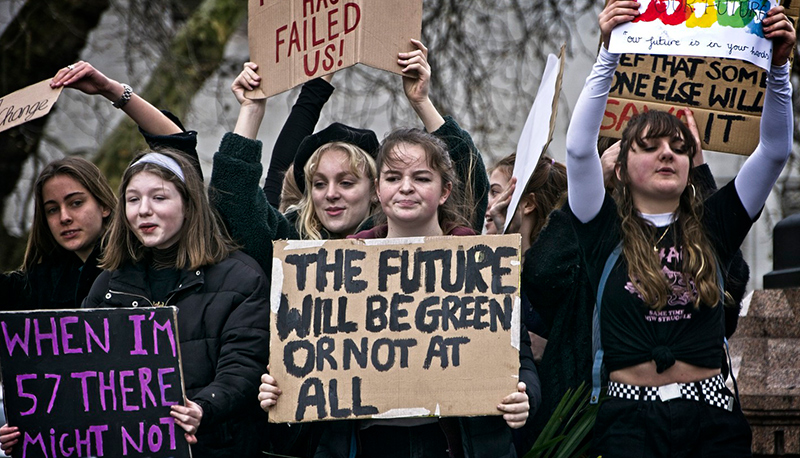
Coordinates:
(566, 433)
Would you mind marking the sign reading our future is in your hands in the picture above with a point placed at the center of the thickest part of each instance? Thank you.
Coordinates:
(392, 328)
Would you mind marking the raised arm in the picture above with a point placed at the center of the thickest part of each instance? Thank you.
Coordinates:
(416, 85)
(301, 123)
(584, 171)
(235, 191)
(160, 129)
(466, 158)
(761, 170)
(87, 79)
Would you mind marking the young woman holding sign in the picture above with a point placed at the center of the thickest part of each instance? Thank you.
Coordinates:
(419, 194)
(73, 205)
(661, 317)
(165, 247)
(335, 167)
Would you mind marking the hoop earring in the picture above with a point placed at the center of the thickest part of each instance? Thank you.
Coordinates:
(694, 191)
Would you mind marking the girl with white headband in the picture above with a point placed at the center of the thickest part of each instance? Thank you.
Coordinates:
(165, 248)
(73, 207)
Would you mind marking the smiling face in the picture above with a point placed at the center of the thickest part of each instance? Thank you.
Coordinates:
(74, 216)
(658, 171)
(411, 192)
(154, 210)
(341, 199)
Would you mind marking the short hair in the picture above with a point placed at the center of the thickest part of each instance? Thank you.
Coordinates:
(361, 165)
(41, 242)
(203, 240)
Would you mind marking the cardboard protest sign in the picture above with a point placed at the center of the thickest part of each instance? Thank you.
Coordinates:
(93, 382)
(538, 130)
(294, 41)
(27, 104)
(392, 328)
(706, 28)
(726, 96)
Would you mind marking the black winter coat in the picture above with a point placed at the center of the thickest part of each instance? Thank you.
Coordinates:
(60, 281)
(223, 323)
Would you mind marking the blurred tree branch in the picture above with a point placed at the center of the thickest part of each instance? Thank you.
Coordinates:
(43, 37)
(193, 55)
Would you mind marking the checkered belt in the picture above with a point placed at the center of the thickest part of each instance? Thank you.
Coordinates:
(711, 391)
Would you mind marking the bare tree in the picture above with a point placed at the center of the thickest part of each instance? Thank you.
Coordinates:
(194, 54)
(487, 57)
(43, 37)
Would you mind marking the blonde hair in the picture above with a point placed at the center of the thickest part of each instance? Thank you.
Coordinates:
(644, 265)
(290, 192)
(361, 165)
(203, 240)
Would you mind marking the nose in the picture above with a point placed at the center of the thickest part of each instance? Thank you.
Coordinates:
(332, 193)
(665, 152)
(406, 186)
(144, 207)
(65, 216)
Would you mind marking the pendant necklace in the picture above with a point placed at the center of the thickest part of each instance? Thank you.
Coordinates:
(655, 245)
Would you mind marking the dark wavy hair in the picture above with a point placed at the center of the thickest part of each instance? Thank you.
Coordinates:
(644, 265)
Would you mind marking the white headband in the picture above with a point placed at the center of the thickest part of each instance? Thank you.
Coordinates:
(164, 161)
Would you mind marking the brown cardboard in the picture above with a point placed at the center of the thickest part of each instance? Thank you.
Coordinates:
(725, 95)
(27, 104)
(293, 41)
(394, 381)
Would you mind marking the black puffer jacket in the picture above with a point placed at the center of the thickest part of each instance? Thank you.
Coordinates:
(223, 323)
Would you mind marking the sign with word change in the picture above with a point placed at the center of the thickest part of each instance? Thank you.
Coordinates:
(391, 328)
(94, 382)
(27, 104)
(705, 28)
(294, 41)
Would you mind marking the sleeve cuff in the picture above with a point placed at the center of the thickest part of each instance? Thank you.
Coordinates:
(242, 148)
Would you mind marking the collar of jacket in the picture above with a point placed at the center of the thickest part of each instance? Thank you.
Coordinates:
(127, 286)
(71, 277)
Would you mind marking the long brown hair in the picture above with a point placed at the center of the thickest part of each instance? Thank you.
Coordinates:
(451, 212)
(548, 183)
(644, 265)
(202, 241)
(41, 242)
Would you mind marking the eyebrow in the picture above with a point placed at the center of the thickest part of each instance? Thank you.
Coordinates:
(67, 197)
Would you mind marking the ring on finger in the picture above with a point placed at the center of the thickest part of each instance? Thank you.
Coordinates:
(71, 66)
